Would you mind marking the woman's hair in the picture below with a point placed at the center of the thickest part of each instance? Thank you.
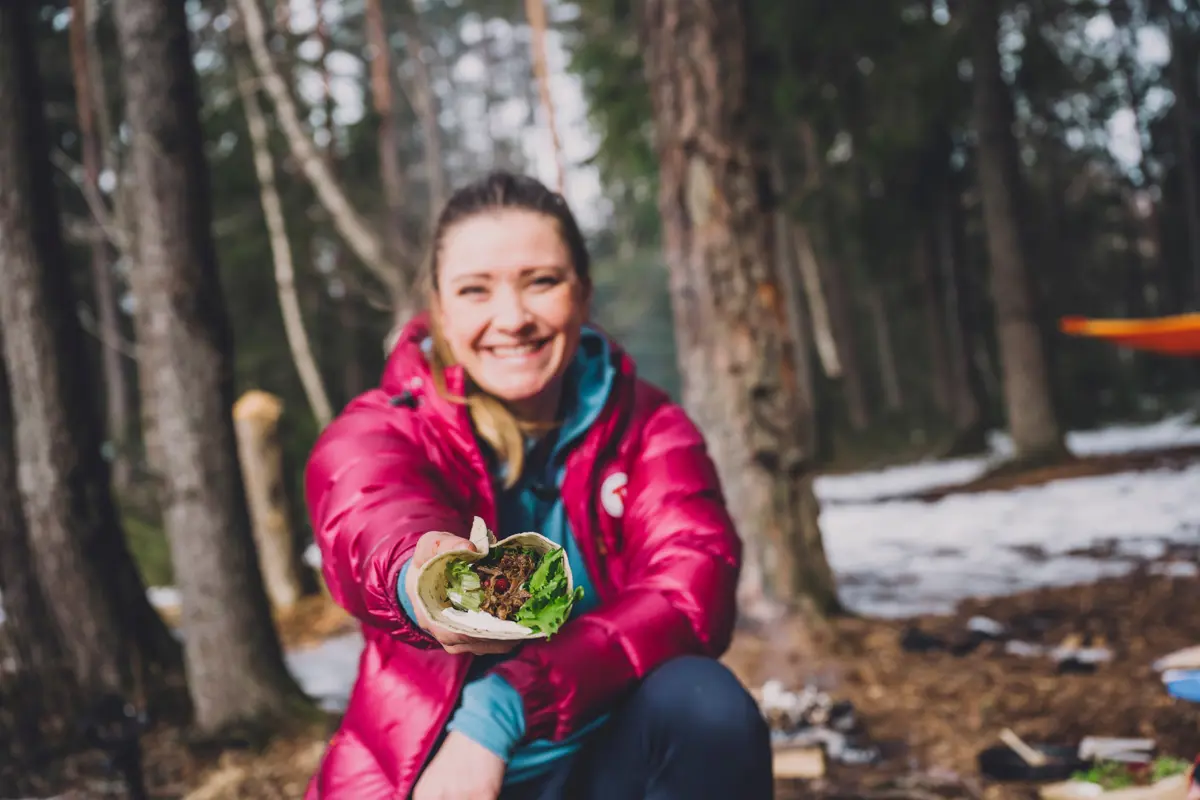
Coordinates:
(494, 422)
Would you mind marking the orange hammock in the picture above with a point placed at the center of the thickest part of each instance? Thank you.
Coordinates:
(1176, 336)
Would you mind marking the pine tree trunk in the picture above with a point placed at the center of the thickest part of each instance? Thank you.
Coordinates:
(112, 636)
(116, 389)
(842, 318)
(382, 98)
(1032, 421)
(234, 661)
(889, 373)
(1185, 133)
(935, 325)
(37, 695)
(735, 351)
(966, 385)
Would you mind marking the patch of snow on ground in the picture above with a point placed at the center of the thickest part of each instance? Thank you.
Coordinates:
(1177, 431)
(327, 671)
(902, 557)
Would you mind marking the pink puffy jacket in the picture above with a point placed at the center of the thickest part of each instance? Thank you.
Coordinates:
(641, 496)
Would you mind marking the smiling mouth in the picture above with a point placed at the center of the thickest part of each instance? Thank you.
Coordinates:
(518, 351)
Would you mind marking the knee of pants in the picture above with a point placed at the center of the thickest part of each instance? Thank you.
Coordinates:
(694, 696)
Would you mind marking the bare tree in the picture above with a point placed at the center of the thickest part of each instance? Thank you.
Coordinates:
(234, 661)
(281, 251)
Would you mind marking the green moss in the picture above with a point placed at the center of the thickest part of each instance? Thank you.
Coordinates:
(148, 545)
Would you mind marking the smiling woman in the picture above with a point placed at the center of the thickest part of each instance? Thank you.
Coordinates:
(510, 297)
(502, 403)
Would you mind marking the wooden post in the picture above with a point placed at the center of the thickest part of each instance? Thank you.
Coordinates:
(256, 420)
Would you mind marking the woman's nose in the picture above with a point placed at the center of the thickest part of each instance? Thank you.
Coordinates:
(510, 310)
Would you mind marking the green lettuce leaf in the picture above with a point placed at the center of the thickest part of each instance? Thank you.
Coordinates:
(549, 604)
(463, 587)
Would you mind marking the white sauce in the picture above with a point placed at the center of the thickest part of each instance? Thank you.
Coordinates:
(483, 622)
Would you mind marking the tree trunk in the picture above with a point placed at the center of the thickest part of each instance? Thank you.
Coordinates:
(966, 387)
(256, 421)
(390, 172)
(235, 664)
(1189, 176)
(810, 276)
(735, 351)
(889, 373)
(842, 322)
(935, 324)
(535, 13)
(1032, 421)
(799, 327)
(36, 686)
(281, 251)
(111, 633)
(116, 388)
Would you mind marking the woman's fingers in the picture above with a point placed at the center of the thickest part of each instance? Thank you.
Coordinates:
(436, 542)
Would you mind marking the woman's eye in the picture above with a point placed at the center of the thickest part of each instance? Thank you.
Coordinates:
(470, 290)
(546, 281)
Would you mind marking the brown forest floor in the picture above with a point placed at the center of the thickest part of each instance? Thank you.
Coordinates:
(932, 712)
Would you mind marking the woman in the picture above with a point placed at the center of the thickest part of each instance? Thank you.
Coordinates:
(502, 402)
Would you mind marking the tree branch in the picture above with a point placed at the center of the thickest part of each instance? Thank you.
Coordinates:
(367, 245)
(281, 250)
(95, 203)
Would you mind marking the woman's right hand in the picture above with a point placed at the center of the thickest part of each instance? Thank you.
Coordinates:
(429, 545)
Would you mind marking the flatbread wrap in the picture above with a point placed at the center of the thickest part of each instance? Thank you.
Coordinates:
(516, 588)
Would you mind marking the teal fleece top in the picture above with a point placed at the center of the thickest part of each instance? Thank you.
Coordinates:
(492, 712)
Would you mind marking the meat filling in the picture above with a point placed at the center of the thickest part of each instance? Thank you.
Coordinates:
(503, 583)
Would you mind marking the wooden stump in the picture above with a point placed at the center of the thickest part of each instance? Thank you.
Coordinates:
(256, 420)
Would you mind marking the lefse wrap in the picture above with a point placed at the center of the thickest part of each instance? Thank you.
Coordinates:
(433, 583)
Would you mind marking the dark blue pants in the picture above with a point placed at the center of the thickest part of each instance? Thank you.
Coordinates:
(689, 731)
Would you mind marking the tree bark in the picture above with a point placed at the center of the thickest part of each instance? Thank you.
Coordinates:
(736, 354)
(810, 275)
(966, 386)
(1032, 421)
(889, 373)
(390, 172)
(256, 419)
(112, 636)
(535, 12)
(936, 331)
(281, 251)
(841, 318)
(116, 388)
(1189, 166)
(36, 687)
(234, 661)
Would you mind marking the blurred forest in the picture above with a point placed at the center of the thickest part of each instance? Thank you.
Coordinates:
(928, 185)
(869, 117)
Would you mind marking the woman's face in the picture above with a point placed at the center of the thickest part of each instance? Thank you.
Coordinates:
(509, 303)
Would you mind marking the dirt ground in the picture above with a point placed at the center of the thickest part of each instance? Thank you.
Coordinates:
(932, 712)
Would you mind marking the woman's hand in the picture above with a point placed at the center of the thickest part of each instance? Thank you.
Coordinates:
(432, 544)
(462, 769)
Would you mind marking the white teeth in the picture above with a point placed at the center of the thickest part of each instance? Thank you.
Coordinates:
(515, 351)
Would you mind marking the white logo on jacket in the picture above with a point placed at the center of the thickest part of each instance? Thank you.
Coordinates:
(612, 494)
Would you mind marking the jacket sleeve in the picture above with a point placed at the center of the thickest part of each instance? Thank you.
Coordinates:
(371, 492)
(679, 594)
